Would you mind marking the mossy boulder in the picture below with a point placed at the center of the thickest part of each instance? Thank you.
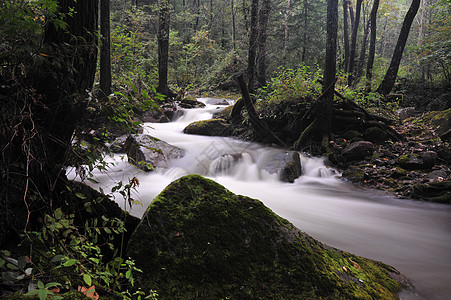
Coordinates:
(441, 122)
(197, 240)
(418, 161)
(212, 127)
(376, 135)
(354, 174)
(358, 150)
(437, 191)
(224, 113)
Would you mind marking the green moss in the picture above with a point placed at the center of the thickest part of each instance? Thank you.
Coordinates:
(212, 127)
(198, 240)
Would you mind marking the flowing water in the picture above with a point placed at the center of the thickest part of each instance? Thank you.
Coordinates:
(414, 237)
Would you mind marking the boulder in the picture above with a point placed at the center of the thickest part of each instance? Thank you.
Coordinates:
(358, 150)
(354, 174)
(376, 135)
(191, 102)
(440, 121)
(217, 101)
(117, 146)
(147, 152)
(437, 191)
(224, 113)
(212, 127)
(405, 113)
(418, 161)
(292, 168)
(155, 116)
(197, 240)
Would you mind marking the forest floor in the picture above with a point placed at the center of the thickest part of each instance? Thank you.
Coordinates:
(417, 167)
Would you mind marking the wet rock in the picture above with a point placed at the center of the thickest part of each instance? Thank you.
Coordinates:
(216, 101)
(147, 152)
(197, 240)
(438, 175)
(155, 116)
(414, 161)
(376, 135)
(212, 127)
(405, 113)
(117, 146)
(292, 168)
(358, 150)
(437, 191)
(224, 113)
(191, 102)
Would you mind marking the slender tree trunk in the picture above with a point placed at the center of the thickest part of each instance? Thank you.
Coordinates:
(105, 56)
(346, 34)
(232, 8)
(359, 71)
(355, 30)
(351, 16)
(262, 36)
(372, 51)
(325, 110)
(245, 12)
(253, 35)
(304, 35)
(163, 46)
(389, 80)
(286, 28)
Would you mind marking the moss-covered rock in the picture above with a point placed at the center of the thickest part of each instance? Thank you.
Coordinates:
(414, 161)
(441, 122)
(354, 174)
(376, 135)
(292, 168)
(212, 127)
(438, 191)
(224, 113)
(198, 240)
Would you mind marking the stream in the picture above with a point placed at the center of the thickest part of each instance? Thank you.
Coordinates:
(412, 236)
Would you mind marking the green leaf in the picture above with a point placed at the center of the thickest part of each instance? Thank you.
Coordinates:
(70, 262)
(52, 284)
(87, 279)
(40, 285)
(22, 262)
(80, 195)
(57, 258)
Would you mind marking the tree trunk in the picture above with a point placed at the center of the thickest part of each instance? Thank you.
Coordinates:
(304, 35)
(373, 26)
(262, 36)
(105, 57)
(253, 35)
(325, 111)
(389, 80)
(359, 71)
(355, 30)
(163, 46)
(232, 8)
(346, 34)
(286, 29)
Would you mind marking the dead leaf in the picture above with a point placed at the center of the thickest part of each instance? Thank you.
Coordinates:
(90, 293)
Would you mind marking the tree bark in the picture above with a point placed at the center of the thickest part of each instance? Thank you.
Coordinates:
(105, 56)
(163, 46)
(346, 34)
(325, 111)
(390, 77)
(304, 35)
(262, 36)
(252, 52)
(232, 8)
(355, 30)
(359, 71)
(372, 51)
(286, 29)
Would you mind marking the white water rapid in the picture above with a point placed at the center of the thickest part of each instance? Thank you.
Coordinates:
(412, 236)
